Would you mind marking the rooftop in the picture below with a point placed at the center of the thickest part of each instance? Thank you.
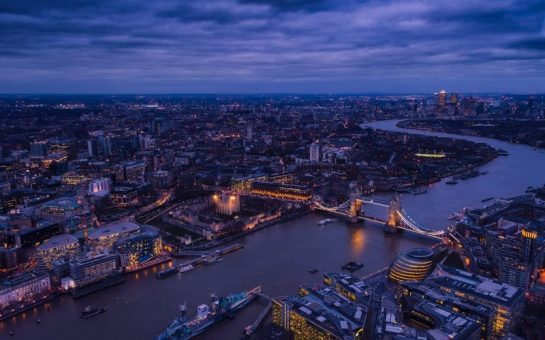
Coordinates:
(57, 241)
(114, 228)
(481, 286)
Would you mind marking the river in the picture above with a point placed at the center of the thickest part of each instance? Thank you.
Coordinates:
(277, 258)
(507, 176)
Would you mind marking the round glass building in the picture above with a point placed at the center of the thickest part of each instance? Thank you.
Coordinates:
(412, 265)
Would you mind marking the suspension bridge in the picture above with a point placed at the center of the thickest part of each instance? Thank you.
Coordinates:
(398, 219)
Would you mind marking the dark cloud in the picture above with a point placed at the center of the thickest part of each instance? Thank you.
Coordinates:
(530, 44)
(293, 5)
(270, 45)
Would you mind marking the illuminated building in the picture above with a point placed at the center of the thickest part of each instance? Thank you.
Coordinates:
(93, 267)
(57, 247)
(416, 292)
(100, 187)
(319, 314)
(314, 153)
(440, 323)
(348, 286)
(137, 249)
(124, 196)
(130, 171)
(442, 98)
(412, 265)
(24, 287)
(453, 98)
(72, 178)
(67, 211)
(289, 192)
(226, 203)
(104, 237)
(506, 301)
(62, 207)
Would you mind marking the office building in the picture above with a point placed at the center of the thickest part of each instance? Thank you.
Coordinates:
(23, 288)
(314, 153)
(506, 300)
(93, 267)
(100, 187)
(319, 314)
(38, 150)
(138, 249)
(56, 247)
(104, 237)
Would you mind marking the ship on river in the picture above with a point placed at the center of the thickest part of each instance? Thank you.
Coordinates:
(182, 328)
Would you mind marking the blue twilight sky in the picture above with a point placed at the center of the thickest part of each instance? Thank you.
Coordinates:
(302, 46)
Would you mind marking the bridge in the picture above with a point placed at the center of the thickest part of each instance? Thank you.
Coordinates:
(398, 219)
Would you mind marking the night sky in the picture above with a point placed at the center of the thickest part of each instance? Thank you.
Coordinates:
(228, 46)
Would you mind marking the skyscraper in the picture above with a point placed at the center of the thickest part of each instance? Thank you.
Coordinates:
(314, 153)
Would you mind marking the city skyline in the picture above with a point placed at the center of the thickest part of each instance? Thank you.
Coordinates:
(260, 46)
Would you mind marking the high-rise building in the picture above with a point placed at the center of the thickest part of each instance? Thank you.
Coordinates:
(249, 132)
(314, 153)
(442, 98)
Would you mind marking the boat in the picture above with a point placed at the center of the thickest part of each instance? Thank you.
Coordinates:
(452, 182)
(502, 152)
(313, 271)
(487, 199)
(166, 273)
(212, 258)
(352, 266)
(182, 328)
(326, 221)
(185, 268)
(418, 191)
(90, 311)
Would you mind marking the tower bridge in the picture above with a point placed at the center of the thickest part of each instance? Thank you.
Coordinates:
(398, 219)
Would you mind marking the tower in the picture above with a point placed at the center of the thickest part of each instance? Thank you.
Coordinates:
(314, 153)
(393, 215)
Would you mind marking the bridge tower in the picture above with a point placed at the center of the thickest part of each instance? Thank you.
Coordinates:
(354, 210)
(393, 215)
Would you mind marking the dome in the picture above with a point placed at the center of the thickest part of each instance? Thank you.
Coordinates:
(412, 265)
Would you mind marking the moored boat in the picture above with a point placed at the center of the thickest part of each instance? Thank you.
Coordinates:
(185, 268)
(207, 315)
(90, 311)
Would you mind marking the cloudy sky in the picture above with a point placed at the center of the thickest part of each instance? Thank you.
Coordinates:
(302, 46)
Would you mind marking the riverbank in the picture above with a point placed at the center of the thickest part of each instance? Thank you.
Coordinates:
(512, 131)
(284, 218)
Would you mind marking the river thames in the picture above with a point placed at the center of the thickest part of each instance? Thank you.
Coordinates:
(277, 258)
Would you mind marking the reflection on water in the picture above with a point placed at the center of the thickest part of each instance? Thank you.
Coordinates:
(357, 241)
(277, 258)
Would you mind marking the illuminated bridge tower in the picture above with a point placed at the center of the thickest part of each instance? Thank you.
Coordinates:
(354, 210)
(393, 215)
